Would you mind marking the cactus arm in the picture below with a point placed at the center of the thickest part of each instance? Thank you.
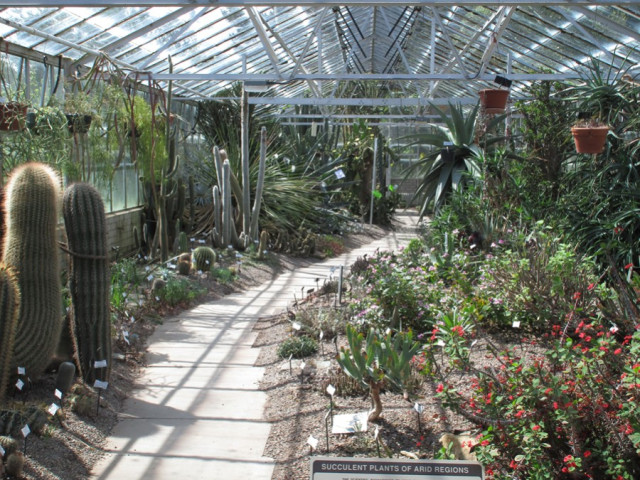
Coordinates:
(246, 181)
(255, 214)
(9, 313)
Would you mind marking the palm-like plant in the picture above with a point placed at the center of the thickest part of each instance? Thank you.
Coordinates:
(442, 174)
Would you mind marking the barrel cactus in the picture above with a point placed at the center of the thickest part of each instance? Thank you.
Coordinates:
(9, 311)
(84, 221)
(204, 258)
(31, 249)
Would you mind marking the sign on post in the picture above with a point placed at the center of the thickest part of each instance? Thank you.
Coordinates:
(336, 468)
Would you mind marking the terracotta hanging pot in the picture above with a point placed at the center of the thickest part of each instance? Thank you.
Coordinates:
(590, 139)
(494, 100)
(12, 116)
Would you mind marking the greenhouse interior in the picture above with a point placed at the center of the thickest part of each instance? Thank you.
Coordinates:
(330, 240)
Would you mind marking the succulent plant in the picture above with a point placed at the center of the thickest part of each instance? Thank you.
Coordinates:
(31, 249)
(204, 258)
(66, 376)
(89, 284)
(9, 311)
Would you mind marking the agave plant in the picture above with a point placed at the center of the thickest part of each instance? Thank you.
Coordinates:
(457, 137)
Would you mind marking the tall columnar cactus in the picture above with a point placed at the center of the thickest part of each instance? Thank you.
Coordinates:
(204, 258)
(31, 249)
(84, 221)
(9, 311)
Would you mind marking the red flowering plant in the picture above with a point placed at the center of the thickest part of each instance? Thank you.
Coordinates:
(570, 411)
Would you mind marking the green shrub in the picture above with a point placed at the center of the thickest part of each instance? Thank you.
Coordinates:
(178, 290)
(298, 347)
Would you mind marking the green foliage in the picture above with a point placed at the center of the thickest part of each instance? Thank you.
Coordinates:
(180, 290)
(31, 249)
(85, 225)
(298, 347)
(442, 176)
(125, 278)
(378, 358)
(223, 275)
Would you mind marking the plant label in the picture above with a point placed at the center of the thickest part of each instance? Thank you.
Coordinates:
(302, 365)
(339, 174)
(331, 390)
(296, 326)
(19, 384)
(21, 371)
(312, 442)
(172, 266)
(321, 335)
(100, 364)
(100, 384)
(53, 409)
(418, 408)
(516, 324)
(2, 452)
(150, 278)
(124, 294)
(376, 434)
(57, 394)
(25, 431)
(201, 241)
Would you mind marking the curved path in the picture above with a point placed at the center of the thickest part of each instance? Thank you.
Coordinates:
(197, 411)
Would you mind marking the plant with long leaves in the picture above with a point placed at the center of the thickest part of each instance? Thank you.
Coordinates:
(376, 360)
(442, 174)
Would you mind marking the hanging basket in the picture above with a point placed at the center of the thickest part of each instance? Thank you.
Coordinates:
(590, 139)
(12, 116)
(494, 100)
(78, 123)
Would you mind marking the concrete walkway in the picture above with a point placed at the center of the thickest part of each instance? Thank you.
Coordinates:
(197, 411)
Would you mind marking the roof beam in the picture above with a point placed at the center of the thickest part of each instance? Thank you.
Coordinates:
(262, 34)
(314, 3)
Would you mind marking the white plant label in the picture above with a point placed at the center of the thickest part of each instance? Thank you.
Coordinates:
(376, 434)
(100, 384)
(124, 294)
(296, 326)
(302, 365)
(172, 266)
(25, 431)
(157, 299)
(57, 394)
(21, 371)
(125, 336)
(516, 324)
(321, 336)
(19, 384)
(100, 364)
(312, 442)
(201, 241)
(418, 408)
(53, 409)
(339, 174)
(331, 390)
(150, 278)
(147, 268)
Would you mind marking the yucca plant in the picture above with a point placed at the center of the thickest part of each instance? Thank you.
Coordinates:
(442, 175)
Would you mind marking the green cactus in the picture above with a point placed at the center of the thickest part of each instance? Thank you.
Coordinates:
(31, 249)
(89, 284)
(263, 244)
(9, 444)
(204, 258)
(182, 243)
(9, 311)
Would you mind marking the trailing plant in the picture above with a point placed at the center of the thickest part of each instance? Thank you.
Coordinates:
(31, 249)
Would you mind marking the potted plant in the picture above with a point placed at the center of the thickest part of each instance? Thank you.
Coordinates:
(590, 136)
(494, 100)
(12, 115)
(79, 111)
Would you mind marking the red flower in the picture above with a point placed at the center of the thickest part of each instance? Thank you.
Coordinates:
(576, 295)
(628, 266)
(591, 286)
(617, 351)
(617, 230)
(586, 453)
(484, 443)
(535, 428)
(440, 388)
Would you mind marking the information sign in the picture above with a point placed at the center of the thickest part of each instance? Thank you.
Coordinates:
(336, 468)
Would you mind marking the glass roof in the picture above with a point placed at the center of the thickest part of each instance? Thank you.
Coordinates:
(427, 51)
